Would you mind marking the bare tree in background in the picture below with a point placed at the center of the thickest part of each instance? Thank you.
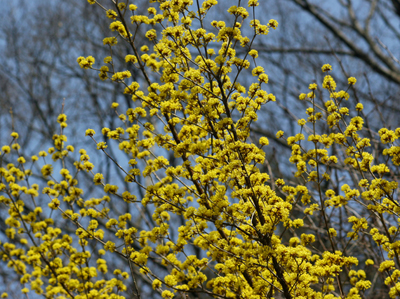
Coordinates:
(39, 77)
(39, 71)
(363, 35)
(358, 37)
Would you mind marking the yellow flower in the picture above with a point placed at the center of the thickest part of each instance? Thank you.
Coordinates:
(47, 170)
(264, 141)
(90, 132)
(369, 262)
(167, 294)
(25, 290)
(326, 68)
(258, 71)
(352, 80)
(263, 78)
(273, 23)
(131, 58)
(386, 265)
(332, 232)
(329, 83)
(253, 3)
(111, 14)
(301, 122)
(313, 86)
(253, 53)
(6, 149)
(121, 5)
(151, 34)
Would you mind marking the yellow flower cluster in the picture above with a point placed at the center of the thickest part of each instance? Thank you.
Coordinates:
(210, 218)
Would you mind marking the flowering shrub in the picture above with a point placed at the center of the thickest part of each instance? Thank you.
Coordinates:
(214, 224)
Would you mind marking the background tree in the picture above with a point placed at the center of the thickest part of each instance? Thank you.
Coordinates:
(35, 79)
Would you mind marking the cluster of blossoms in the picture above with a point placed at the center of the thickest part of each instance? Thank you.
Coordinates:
(252, 235)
